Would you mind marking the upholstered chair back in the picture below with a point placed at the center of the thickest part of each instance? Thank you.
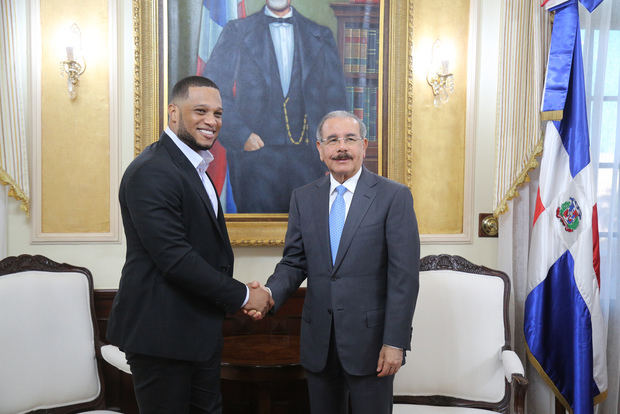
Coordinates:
(47, 336)
(460, 330)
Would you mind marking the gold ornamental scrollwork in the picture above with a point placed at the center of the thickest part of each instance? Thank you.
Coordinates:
(146, 74)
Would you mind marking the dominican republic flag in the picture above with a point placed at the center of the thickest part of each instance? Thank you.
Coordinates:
(215, 14)
(563, 324)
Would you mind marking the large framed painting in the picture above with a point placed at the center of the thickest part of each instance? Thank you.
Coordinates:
(279, 70)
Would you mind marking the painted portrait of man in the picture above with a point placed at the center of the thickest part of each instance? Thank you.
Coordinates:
(279, 72)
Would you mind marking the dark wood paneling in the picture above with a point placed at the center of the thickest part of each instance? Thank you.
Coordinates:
(118, 386)
(238, 397)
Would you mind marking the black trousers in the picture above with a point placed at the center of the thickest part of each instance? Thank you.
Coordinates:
(330, 389)
(167, 386)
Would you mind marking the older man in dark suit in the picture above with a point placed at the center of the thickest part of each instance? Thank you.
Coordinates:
(279, 73)
(353, 236)
(177, 283)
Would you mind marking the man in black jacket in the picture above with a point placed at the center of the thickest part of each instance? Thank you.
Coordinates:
(177, 284)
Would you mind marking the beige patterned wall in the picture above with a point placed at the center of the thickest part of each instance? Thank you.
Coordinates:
(75, 134)
(438, 133)
(75, 137)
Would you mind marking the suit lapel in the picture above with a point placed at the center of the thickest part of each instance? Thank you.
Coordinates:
(219, 219)
(190, 174)
(258, 40)
(321, 208)
(363, 197)
(222, 226)
(306, 38)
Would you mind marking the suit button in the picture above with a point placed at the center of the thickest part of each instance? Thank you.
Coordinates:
(334, 278)
(329, 311)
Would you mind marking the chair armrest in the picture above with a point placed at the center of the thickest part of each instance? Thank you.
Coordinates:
(512, 364)
(115, 357)
(515, 374)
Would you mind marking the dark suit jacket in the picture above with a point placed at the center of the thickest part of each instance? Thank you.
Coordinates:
(242, 63)
(176, 283)
(244, 66)
(371, 290)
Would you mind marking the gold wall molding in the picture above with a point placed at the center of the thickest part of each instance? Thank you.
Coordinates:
(76, 144)
(146, 71)
(427, 22)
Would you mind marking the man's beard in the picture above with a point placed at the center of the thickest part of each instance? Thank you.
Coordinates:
(277, 5)
(188, 139)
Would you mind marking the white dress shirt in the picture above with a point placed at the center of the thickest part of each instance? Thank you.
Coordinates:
(349, 184)
(283, 38)
(200, 160)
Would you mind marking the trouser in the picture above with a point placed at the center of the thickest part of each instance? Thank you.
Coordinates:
(330, 389)
(165, 386)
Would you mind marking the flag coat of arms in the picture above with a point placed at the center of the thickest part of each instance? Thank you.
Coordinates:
(563, 323)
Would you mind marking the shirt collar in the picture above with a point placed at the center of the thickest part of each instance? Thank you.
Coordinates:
(268, 12)
(349, 184)
(199, 159)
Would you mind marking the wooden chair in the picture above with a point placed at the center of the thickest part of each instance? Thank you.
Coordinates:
(461, 360)
(49, 344)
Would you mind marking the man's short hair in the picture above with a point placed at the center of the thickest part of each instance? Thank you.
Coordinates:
(181, 88)
(340, 114)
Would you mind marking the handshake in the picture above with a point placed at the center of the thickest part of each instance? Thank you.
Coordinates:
(259, 302)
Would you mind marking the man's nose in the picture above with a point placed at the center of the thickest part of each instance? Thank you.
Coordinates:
(210, 119)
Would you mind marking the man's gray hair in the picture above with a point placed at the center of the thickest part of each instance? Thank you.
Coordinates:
(340, 114)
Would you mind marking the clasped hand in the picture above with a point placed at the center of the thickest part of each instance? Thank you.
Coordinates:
(259, 303)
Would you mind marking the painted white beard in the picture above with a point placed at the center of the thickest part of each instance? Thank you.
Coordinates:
(277, 4)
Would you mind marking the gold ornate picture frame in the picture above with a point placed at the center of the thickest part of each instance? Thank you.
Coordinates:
(396, 123)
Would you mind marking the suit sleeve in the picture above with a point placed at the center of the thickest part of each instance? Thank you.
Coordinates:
(222, 67)
(403, 264)
(153, 198)
(292, 270)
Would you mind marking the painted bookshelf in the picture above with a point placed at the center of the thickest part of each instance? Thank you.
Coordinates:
(358, 44)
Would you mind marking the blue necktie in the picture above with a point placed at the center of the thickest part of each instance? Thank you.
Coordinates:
(336, 220)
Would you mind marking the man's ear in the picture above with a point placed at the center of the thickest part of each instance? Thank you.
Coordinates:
(173, 113)
(319, 149)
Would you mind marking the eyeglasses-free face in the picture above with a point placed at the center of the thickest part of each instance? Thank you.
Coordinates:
(342, 149)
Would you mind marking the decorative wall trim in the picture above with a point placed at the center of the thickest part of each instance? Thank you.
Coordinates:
(113, 236)
(406, 167)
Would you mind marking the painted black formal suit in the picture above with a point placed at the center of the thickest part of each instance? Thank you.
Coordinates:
(368, 296)
(244, 66)
(176, 283)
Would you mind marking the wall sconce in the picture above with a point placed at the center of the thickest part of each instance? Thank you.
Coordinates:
(439, 77)
(74, 65)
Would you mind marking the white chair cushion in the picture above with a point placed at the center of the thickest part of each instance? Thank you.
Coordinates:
(115, 357)
(512, 364)
(458, 333)
(429, 409)
(47, 342)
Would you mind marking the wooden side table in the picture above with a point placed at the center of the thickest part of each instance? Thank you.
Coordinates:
(264, 360)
